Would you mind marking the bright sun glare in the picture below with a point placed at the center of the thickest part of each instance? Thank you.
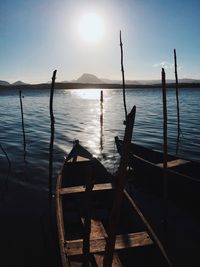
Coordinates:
(91, 28)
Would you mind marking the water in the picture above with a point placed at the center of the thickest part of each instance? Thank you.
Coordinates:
(77, 116)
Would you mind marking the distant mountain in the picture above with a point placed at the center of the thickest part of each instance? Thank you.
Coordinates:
(88, 78)
(19, 83)
(149, 82)
(4, 83)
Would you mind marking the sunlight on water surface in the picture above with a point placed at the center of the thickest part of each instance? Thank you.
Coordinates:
(92, 94)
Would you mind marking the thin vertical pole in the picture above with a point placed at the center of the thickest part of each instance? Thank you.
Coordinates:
(123, 78)
(165, 182)
(101, 120)
(23, 129)
(52, 134)
(121, 181)
(177, 103)
(87, 217)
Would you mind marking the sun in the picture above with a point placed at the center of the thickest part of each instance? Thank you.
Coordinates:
(91, 28)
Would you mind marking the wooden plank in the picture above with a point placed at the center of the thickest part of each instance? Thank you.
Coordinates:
(100, 256)
(173, 163)
(98, 231)
(60, 223)
(121, 182)
(81, 189)
(74, 247)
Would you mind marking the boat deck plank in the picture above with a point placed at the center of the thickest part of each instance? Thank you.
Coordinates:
(173, 163)
(81, 189)
(98, 230)
(75, 247)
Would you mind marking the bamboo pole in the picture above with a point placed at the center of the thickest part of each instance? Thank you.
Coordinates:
(177, 103)
(23, 129)
(121, 181)
(123, 78)
(101, 120)
(165, 180)
(52, 134)
(87, 217)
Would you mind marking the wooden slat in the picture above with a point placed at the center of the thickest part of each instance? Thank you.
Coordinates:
(74, 247)
(98, 231)
(81, 189)
(100, 256)
(173, 163)
(60, 222)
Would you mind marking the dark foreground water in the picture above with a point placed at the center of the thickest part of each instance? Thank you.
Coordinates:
(77, 116)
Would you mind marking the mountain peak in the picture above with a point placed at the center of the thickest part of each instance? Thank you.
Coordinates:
(4, 83)
(88, 78)
(19, 83)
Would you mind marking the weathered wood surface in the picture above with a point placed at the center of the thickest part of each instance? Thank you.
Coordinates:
(74, 247)
(81, 189)
(99, 260)
(173, 163)
(60, 223)
(121, 182)
(98, 231)
(87, 217)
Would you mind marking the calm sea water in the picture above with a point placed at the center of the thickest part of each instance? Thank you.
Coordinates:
(77, 116)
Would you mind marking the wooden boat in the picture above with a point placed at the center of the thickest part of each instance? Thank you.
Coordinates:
(98, 222)
(183, 176)
(84, 198)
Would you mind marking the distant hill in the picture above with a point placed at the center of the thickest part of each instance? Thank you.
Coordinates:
(149, 82)
(4, 83)
(19, 83)
(88, 78)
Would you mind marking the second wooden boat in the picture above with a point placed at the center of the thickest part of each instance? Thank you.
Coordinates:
(183, 175)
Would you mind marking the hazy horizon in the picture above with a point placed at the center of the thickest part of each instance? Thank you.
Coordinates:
(78, 37)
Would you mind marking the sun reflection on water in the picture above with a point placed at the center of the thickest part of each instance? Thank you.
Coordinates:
(90, 116)
(90, 94)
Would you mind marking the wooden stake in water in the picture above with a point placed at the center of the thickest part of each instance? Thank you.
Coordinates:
(101, 120)
(123, 78)
(177, 103)
(23, 130)
(165, 182)
(87, 216)
(52, 134)
(120, 185)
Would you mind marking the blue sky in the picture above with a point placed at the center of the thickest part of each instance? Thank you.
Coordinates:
(38, 36)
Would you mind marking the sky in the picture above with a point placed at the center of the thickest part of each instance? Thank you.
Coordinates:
(39, 36)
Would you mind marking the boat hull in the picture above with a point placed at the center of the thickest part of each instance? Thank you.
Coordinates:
(146, 171)
(84, 200)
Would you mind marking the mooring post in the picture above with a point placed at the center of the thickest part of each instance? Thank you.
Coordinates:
(177, 103)
(52, 134)
(123, 78)
(101, 120)
(120, 185)
(87, 216)
(23, 129)
(165, 180)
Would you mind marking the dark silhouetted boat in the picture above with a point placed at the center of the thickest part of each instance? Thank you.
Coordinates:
(146, 166)
(84, 200)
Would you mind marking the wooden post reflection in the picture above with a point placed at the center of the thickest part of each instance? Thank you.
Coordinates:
(101, 120)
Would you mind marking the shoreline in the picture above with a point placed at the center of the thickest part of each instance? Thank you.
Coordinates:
(97, 86)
